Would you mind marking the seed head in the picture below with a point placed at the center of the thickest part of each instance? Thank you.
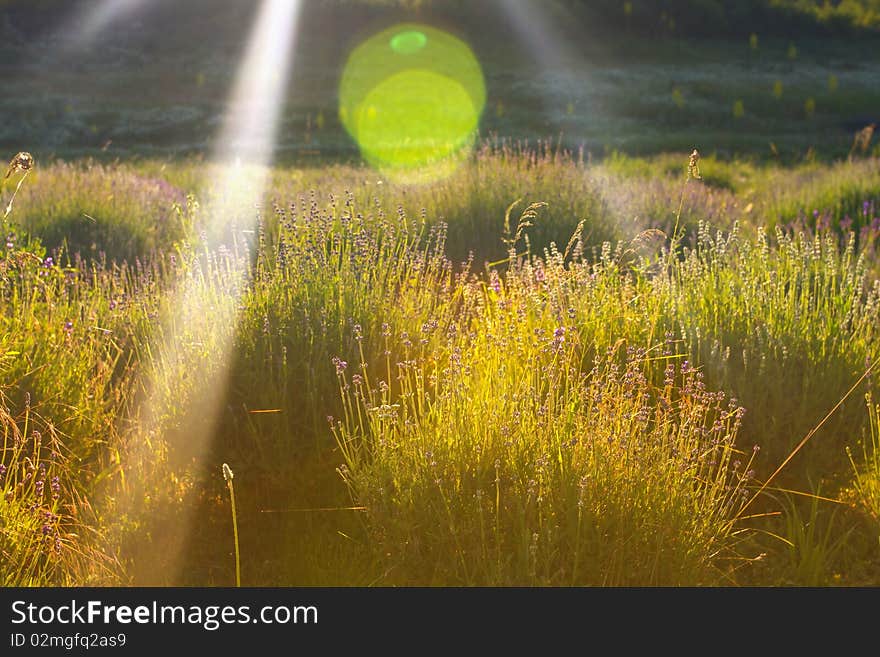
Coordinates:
(227, 473)
(23, 162)
(694, 165)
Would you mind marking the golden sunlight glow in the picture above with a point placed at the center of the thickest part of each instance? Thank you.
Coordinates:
(201, 315)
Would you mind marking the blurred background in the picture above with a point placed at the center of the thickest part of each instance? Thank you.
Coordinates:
(783, 79)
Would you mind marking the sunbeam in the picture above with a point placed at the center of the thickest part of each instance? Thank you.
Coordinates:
(201, 315)
(559, 69)
(534, 28)
(94, 21)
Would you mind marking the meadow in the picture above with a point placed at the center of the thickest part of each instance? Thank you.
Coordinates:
(578, 353)
(631, 376)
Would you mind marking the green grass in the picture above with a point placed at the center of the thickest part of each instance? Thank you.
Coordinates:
(865, 491)
(571, 414)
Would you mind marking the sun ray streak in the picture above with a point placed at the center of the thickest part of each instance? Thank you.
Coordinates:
(89, 24)
(191, 357)
(559, 63)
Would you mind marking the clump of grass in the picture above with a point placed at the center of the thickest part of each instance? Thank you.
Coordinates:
(564, 488)
(812, 542)
(101, 211)
(44, 538)
(799, 311)
(865, 490)
(515, 446)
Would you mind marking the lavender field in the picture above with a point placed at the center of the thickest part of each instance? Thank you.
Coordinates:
(241, 345)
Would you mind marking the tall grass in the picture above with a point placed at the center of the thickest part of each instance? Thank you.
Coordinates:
(866, 469)
(502, 462)
(46, 538)
(570, 414)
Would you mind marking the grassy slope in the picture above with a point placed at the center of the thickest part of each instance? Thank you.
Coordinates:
(784, 324)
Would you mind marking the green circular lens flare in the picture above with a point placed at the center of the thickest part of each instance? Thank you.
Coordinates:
(409, 42)
(412, 97)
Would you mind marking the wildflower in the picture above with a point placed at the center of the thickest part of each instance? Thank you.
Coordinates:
(48, 262)
(68, 326)
(340, 364)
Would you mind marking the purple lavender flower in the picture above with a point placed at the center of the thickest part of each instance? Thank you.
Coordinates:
(48, 262)
(340, 364)
(68, 326)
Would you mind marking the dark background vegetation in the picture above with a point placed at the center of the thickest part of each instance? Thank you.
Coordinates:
(601, 76)
(650, 18)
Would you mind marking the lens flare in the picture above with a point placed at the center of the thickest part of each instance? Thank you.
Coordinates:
(412, 97)
(408, 43)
